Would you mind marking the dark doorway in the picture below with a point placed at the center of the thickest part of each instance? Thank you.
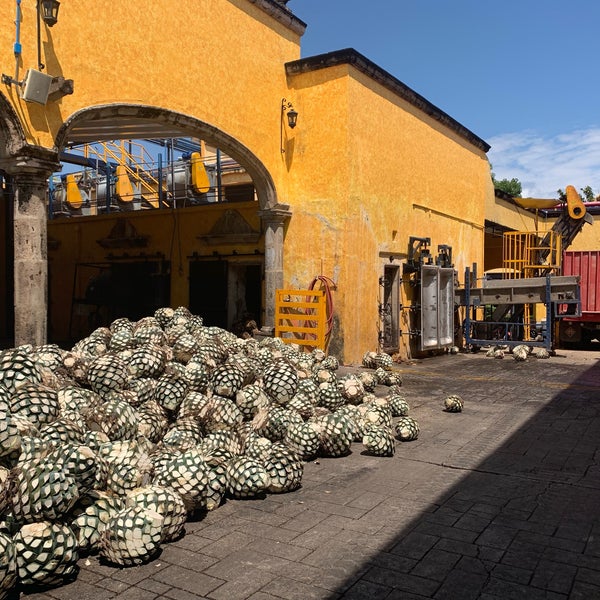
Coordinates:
(132, 289)
(389, 308)
(224, 292)
(208, 291)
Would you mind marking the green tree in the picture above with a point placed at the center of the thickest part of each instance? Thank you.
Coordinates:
(586, 194)
(510, 186)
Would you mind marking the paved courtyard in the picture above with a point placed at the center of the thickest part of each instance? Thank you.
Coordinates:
(501, 501)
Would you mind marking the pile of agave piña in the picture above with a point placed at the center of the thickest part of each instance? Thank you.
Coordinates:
(108, 448)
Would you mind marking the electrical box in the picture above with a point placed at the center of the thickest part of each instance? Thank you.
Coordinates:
(36, 86)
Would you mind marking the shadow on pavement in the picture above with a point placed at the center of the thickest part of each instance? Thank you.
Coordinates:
(507, 492)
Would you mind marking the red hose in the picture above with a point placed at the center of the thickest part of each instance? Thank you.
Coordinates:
(328, 285)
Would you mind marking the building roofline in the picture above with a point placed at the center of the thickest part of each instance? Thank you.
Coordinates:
(370, 69)
(282, 14)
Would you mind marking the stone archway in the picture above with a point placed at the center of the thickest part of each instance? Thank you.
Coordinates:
(137, 121)
(26, 168)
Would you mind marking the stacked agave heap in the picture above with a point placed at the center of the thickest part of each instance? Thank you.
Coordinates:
(109, 447)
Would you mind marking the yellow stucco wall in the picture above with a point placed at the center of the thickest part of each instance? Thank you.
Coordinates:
(383, 172)
(509, 215)
(220, 61)
(589, 237)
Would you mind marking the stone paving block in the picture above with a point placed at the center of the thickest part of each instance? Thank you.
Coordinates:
(331, 508)
(39, 596)
(443, 515)
(392, 561)
(281, 549)
(463, 548)
(240, 589)
(461, 584)
(334, 550)
(339, 577)
(241, 564)
(473, 522)
(415, 545)
(583, 591)
(367, 590)
(485, 508)
(442, 531)
(512, 573)
(248, 512)
(570, 558)
(72, 591)
(305, 520)
(133, 575)
(294, 590)
(265, 531)
(510, 521)
(523, 555)
(317, 535)
(219, 529)
(185, 558)
(487, 553)
(299, 571)
(187, 580)
(509, 590)
(136, 593)
(403, 595)
(113, 585)
(369, 526)
(227, 544)
(497, 536)
(194, 542)
(153, 586)
(589, 576)
(554, 577)
(436, 564)
(381, 541)
(402, 581)
(367, 500)
(175, 594)
(88, 574)
(574, 530)
(476, 566)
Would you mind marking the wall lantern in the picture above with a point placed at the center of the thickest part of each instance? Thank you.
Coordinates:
(48, 10)
(292, 115)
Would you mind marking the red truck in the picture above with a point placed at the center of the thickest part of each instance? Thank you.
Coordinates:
(581, 330)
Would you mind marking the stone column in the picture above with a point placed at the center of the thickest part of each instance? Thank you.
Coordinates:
(274, 222)
(29, 173)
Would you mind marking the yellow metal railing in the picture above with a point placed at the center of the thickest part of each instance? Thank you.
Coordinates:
(531, 253)
(132, 163)
(300, 317)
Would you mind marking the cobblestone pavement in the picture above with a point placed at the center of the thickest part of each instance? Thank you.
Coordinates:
(500, 501)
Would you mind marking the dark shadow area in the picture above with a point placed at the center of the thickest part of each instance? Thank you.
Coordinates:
(507, 492)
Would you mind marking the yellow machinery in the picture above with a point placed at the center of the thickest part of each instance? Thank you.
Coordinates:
(529, 254)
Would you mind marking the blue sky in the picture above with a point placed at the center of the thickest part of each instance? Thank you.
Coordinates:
(521, 74)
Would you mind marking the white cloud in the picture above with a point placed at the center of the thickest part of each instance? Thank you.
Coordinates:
(545, 164)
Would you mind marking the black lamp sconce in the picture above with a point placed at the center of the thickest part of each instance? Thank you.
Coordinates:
(288, 111)
(48, 10)
(292, 115)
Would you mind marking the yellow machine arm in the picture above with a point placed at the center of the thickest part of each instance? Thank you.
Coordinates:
(575, 206)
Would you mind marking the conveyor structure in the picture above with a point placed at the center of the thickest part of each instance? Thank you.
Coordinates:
(551, 291)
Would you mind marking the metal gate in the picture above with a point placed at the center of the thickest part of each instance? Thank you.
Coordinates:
(300, 317)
